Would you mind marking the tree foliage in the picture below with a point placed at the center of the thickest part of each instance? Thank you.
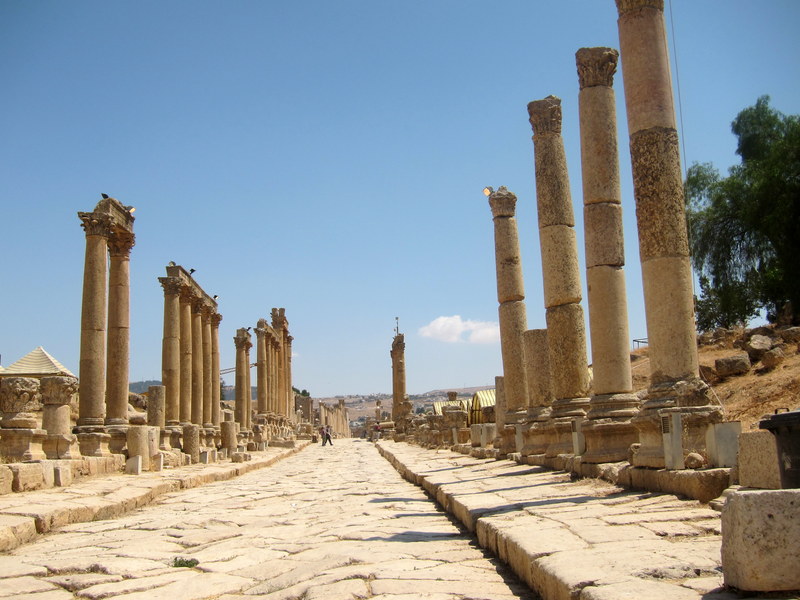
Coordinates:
(744, 229)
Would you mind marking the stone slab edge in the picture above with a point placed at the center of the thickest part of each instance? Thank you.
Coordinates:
(23, 524)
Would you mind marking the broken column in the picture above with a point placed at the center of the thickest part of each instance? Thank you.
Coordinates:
(57, 394)
(675, 384)
(511, 296)
(566, 331)
(536, 435)
(608, 431)
(156, 416)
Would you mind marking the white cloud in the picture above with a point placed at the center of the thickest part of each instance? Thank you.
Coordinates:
(455, 329)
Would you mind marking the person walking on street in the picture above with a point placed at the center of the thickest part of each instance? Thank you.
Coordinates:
(323, 435)
(328, 434)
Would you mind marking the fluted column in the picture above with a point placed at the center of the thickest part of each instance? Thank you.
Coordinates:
(216, 318)
(663, 239)
(91, 412)
(119, 245)
(261, 367)
(511, 296)
(186, 299)
(566, 330)
(609, 432)
(197, 362)
(208, 387)
(170, 349)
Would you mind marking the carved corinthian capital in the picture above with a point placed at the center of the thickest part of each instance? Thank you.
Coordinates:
(58, 389)
(95, 223)
(120, 243)
(626, 6)
(545, 115)
(242, 340)
(502, 202)
(596, 66)
(171, 285)
(19, 399)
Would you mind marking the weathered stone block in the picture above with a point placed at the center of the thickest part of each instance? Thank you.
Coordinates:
(760, 529)
(728, 366)
(757, 346)
(27, 476)
(6, 480)
(758, 460)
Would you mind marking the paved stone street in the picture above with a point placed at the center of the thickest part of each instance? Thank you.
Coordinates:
(335, 523)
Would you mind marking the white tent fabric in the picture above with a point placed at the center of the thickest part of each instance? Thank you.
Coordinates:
(37, 363)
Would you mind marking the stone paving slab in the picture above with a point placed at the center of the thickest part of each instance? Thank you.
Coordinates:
(333, 523)
(25, 515)
(574, 540)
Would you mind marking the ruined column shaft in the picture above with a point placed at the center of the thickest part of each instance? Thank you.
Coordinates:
(658, 188)
(186, 355)
(248, 391)
(561, 275)
(261, 370)
(242, 342)
(197, 364)
(93, 322)
(215, 376)
(170, 349)
(208, 389)
(289, 390)
(510, 295)
(120, 245)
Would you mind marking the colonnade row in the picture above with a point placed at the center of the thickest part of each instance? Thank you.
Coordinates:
(336, 417)
(546, 392)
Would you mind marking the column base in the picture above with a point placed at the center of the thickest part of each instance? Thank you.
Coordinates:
(118, 444)
(608, 440)
(18, 445)
(94, 443)
(560, 431)
(535, 438)
(61, 446)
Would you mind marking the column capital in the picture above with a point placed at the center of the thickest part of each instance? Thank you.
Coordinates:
(120, 243)
(242, 340)
(502, 202)
(198, 304)
(545, 115)
(58, 389)
(626, 6)
(596, 66)
(188, 295)
(216, 318)
(171, 285)
(94, 223)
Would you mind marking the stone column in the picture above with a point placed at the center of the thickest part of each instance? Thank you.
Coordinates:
(289, 390)
(511, 296)
(57, 393)
(186, 362)
(663, 242)
(197, 361)
(248, 393)
(536, 436)
(499, 416)
(119, 246)
(91, 412)
(243, 345)
(20, 437)
(261, 367)
(216, 318)
(566, 331)
(398, 354)
(608, 432)
(208, 387)
(170, 349)
(156, 414)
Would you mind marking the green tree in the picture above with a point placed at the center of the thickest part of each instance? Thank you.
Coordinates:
(744, 229)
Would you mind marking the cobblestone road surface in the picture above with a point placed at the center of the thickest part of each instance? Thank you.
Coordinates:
(335, 523)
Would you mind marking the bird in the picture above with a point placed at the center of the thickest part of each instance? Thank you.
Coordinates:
(171, 263)
(215, 297)
(105, 196)
(249, 328)
(191, 271)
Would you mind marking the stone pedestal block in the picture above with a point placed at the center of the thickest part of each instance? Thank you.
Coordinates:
(536, 438)
(61, 446)
(608, 440)
(760, 530)
(18, 445)
(94, 443)
(758, 460)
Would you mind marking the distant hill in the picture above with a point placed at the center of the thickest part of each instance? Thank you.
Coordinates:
(468, 391)
(140, 387)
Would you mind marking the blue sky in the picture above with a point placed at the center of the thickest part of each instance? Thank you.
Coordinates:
(326, 157)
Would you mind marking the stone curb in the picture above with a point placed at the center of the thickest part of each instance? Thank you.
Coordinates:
(26, 515)
(553, 561)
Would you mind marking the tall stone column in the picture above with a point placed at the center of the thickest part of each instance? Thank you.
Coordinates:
(170, 349)
(248, 393)
(663, 241)
(120, 244)
(398, 354)
(289, 390)
(566, 331)
(511, 296)
(197, 361)
(208, 388)
(243, 345)
(186, 300)
(91, 412)
(216, 318)
(609, 432)
(261, 367)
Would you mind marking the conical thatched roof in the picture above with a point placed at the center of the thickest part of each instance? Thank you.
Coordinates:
(37, 363)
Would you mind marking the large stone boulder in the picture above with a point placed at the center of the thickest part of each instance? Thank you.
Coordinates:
(772, 358)
(757, 346)
(790, 335)
(729, 366)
